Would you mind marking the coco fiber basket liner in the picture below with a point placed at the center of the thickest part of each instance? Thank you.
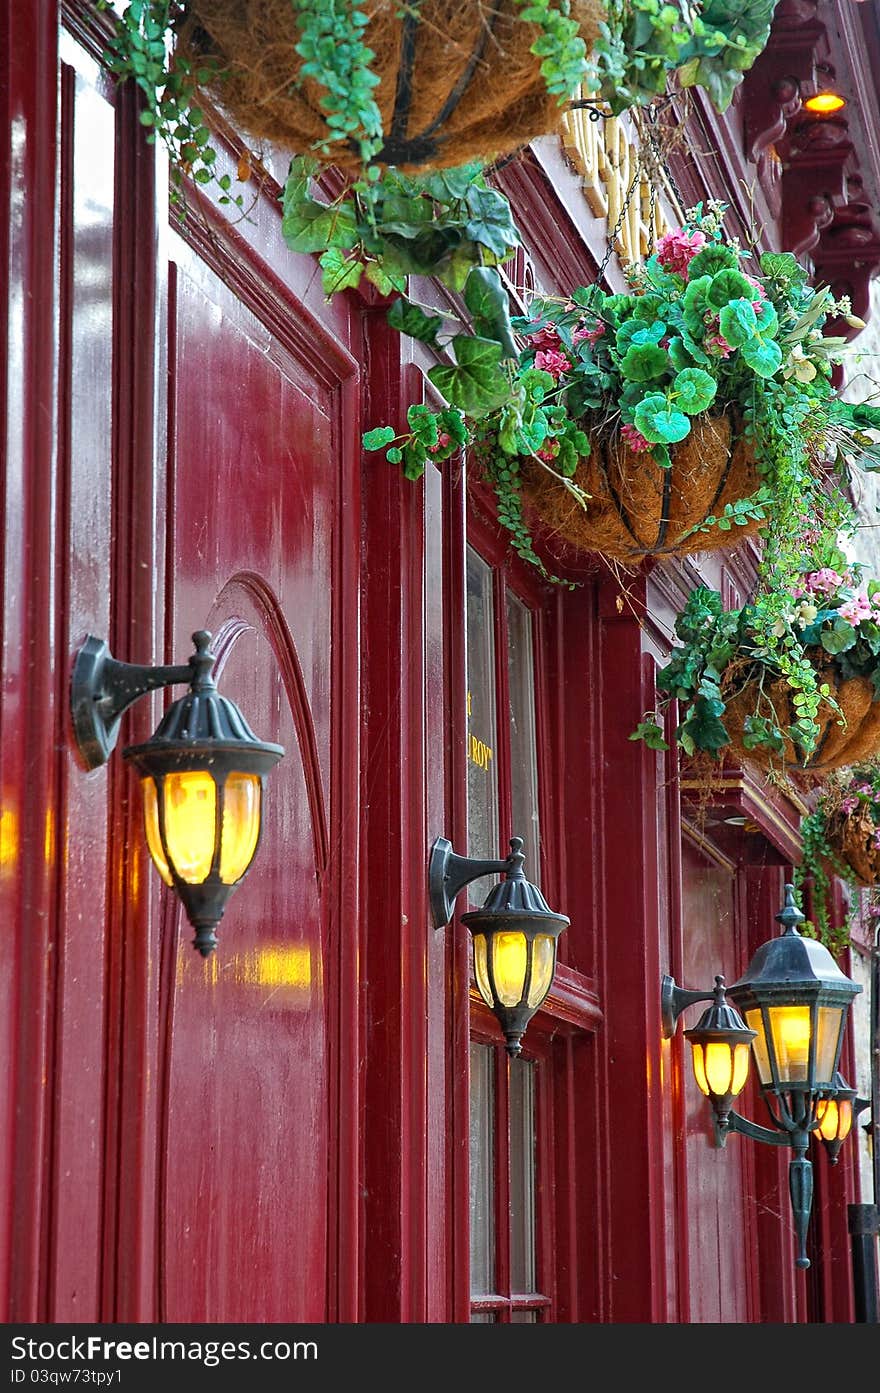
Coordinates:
(838, 745)
(638, 508)
(457, 79)
(852, 837)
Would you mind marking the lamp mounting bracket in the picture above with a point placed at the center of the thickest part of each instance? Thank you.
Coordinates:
(449, 873)
(102, 688)
(675, 999)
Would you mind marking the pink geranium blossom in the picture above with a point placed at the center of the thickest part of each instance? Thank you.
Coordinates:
(634, 439)
(548, 452)
(546, 338)
(848, 805)
(718, 346)
(676, 250)
(855, 610)
(825, 581)
(552, 361)
(591, 335)
(443, 439)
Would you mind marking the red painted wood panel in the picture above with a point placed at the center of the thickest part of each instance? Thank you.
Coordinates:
(719, 1227)
(246, 1124)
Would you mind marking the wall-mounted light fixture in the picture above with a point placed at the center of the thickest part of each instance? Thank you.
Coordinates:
(202, 773)
(825, 103)
(795, 1001)
(514, 934)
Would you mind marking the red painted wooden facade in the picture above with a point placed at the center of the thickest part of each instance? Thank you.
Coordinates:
(282, 1133)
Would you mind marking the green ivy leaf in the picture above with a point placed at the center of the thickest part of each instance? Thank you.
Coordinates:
(339, 272)
(488, 302)
(651, 733)
(491, 222)
(407, 318)
(310, 226)
(476, 385)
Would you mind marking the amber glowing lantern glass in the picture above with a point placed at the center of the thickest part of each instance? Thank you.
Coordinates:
(202, 776)
(825, 103)
(203, 772)
(720, 1044)
(834, 1117)
(795, 998)
(514, 934)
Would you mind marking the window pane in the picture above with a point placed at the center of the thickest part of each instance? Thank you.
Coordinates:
(523, 1317)
(523, 739)
(483, 1318)
(482, 1195)
(522, 1176)
(482, 776)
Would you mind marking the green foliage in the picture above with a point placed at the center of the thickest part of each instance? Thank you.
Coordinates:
(141, 49)
(828, 618)
(844, 821)
(709, 44)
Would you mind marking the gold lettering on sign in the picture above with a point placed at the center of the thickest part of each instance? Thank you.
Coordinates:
(479, 752)
(607, 159)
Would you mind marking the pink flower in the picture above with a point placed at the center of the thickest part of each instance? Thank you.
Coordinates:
(824, 581)
(546, 338)
(591, 335)
(548, 452)
(848, 805)
(855, 610)
(676, 250)
(762, 294)
(443, 439)
(634, 439)
(552, 361)
(718, 346)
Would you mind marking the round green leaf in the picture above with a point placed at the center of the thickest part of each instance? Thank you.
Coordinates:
(727, 286)
(694, 390)
(711, 260)
(738, 322)
(659, 422)
(644, 362)
(375, 439)
(764, 356)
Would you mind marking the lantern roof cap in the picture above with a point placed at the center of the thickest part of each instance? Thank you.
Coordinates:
(792, 961)
(515, 895)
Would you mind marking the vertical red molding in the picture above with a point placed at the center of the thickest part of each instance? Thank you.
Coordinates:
(637, 1289)
(31, 717)
(394, 967)
(137, 635)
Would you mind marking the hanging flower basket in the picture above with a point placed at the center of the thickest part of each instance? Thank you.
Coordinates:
(457, 80)
(789, 681)
(845, 736)
(635, 507)
(853, 840)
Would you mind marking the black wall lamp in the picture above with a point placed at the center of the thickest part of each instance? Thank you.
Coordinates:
(202, 773)
(514, 934)
(795, 1001)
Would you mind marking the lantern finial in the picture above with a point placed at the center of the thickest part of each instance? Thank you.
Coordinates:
(790, 916)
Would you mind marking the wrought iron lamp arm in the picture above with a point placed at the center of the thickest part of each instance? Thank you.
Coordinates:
(675, 999)
(449, 873)
(102, 688)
